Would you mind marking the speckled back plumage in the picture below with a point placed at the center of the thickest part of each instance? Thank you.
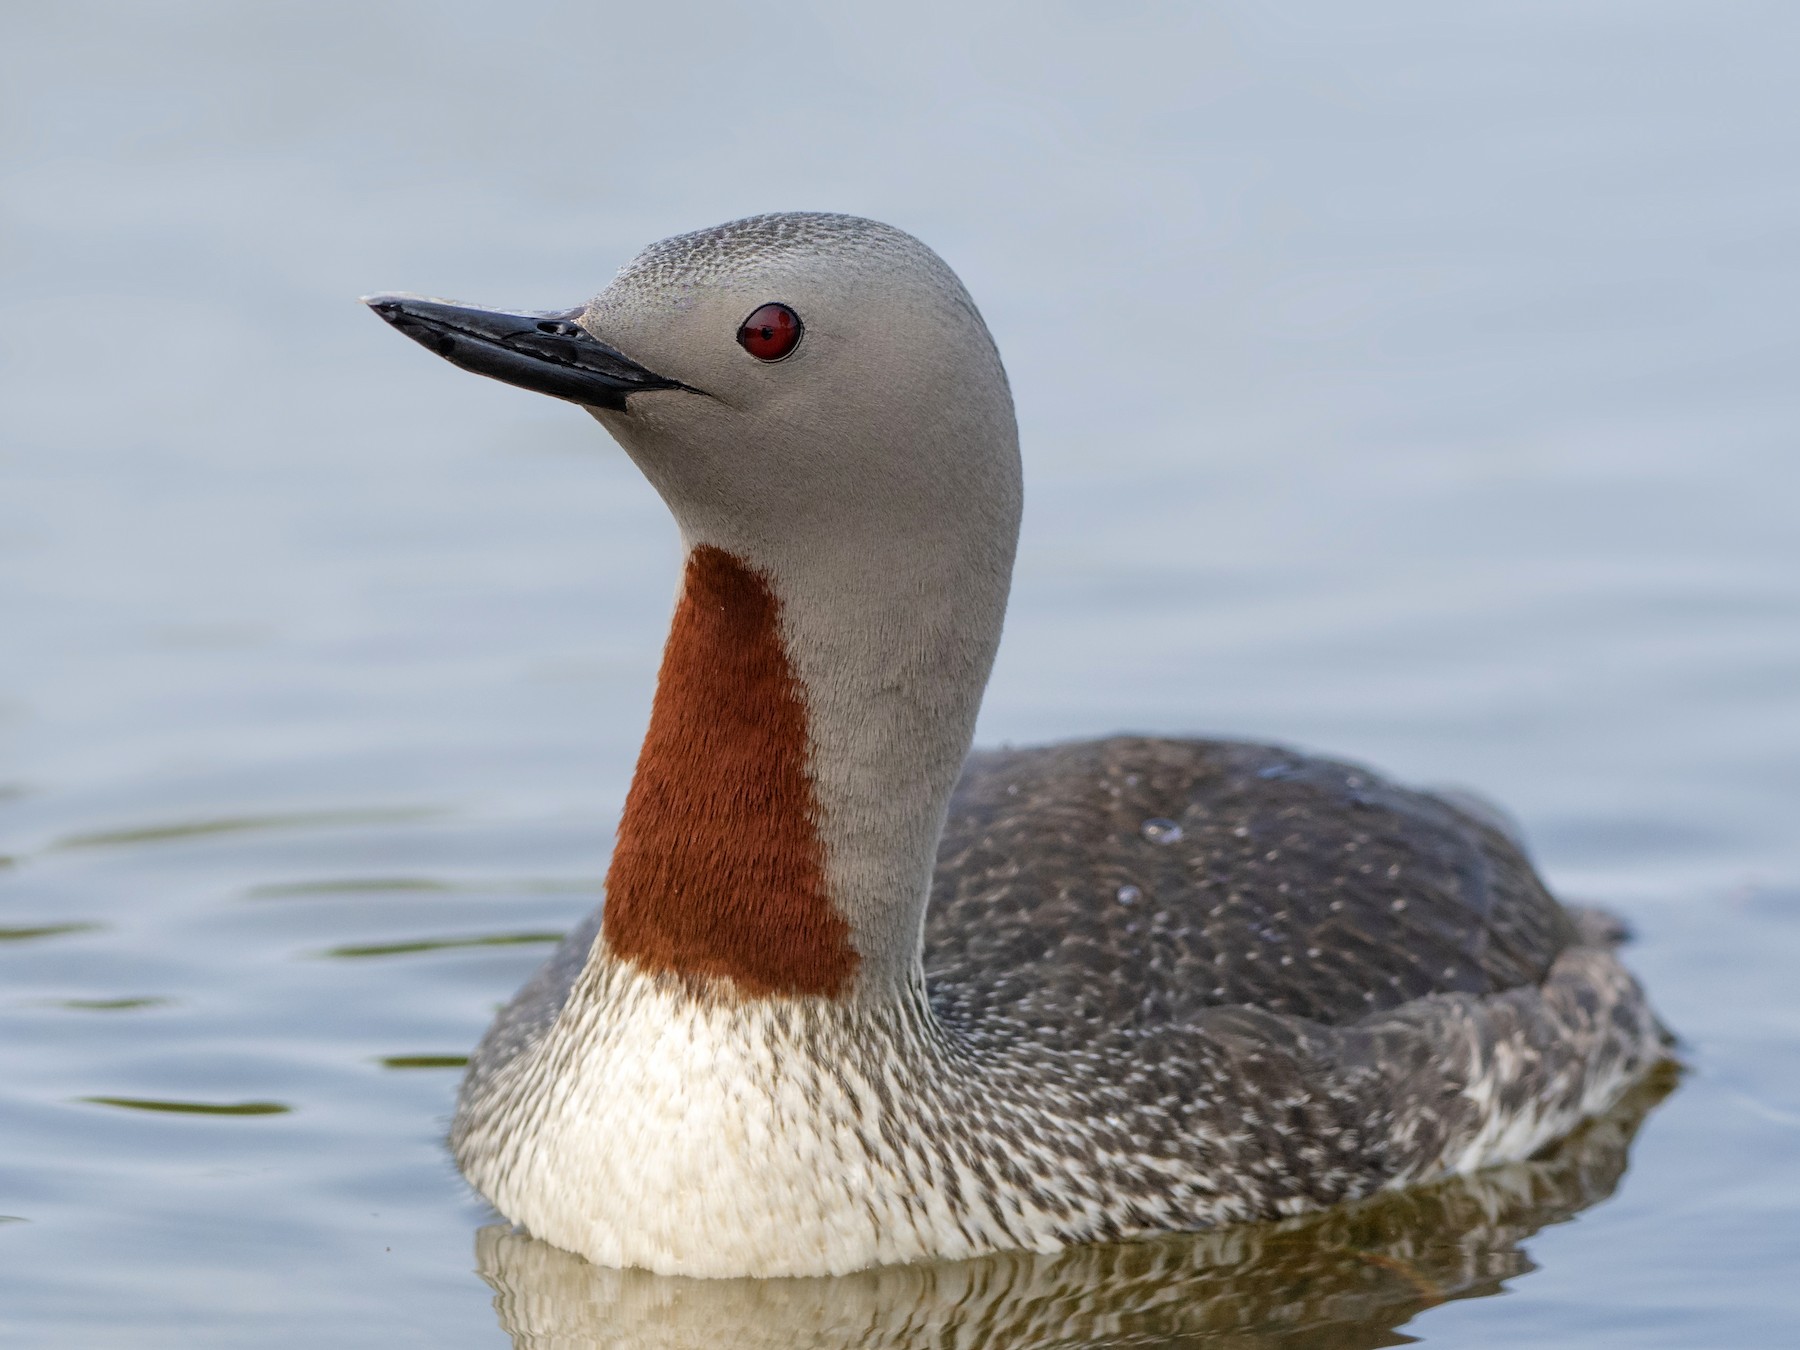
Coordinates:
(1289, 883)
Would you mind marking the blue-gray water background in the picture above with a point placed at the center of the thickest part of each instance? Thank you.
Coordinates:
(1407, 381)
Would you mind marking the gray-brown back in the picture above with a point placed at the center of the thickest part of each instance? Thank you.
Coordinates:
(1131, 882)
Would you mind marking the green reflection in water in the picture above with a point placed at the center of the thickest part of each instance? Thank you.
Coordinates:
(439, 945)
(423, 1061)
(13, 1218)
(294, 820)
(45, 930)
(109, 1004)
(193, 1108)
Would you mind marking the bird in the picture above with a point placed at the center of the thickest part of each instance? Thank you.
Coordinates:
(857, 995)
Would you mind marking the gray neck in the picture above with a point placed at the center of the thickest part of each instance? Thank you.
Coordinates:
(892, 642)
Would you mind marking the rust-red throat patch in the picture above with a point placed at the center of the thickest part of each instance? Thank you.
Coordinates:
(718, 869)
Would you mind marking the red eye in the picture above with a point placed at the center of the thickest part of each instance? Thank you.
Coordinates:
(770, 333)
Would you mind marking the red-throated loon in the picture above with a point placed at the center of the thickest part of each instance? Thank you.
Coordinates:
(858, 996)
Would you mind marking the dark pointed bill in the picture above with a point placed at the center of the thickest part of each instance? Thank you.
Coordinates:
(549, 353)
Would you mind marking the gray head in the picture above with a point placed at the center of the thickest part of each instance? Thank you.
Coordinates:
(890, 414)
(817, 399)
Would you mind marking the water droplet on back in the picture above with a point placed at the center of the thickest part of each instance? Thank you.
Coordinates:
(1160, 830)
(1130, 895)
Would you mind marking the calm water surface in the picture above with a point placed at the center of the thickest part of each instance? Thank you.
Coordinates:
(1410, 382)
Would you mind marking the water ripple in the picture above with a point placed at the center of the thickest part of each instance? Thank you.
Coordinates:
(423, 1061)
(292, 820)
(337, 886)
(193, 1108)
(44, 930)
(360, 950)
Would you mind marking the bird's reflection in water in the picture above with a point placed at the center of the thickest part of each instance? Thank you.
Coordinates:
(1342, 1279)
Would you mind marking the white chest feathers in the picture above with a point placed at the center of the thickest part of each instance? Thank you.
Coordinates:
(771, 1138)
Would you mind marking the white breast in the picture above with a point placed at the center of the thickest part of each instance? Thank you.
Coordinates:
(651, 1129)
